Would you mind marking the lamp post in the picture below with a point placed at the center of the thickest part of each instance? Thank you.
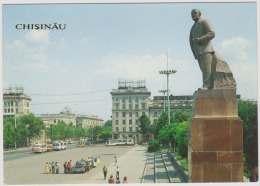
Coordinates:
(167, 73)
(163, 91)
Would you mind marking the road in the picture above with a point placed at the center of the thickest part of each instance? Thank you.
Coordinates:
(29, 168)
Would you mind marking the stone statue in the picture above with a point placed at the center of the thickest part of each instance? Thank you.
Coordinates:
(216, 73)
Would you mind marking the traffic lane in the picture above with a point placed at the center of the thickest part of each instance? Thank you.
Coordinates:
(25, 152)
(31, 170)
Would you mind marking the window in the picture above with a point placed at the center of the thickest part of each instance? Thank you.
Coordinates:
(136, 100)
(123, 105)
(136, 129)
(123, 122)
(155, 114)
(130, 129)
(117, 129)
(116, 114)
(123, 114)
(123, 100)
(136, 121)
(116, 122)
(143, 113)
(123, 129)
(143, 105)
(136, 114)
(136, 107)
(130, 100)
(117, 106)
(130, 114)
(130, 106)
(130, 122)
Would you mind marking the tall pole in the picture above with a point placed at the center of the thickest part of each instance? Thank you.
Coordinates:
(163, 91)
(168, 72)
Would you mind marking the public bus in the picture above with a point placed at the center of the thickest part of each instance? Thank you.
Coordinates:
(39, 148)
(59, 145)
(121, 142)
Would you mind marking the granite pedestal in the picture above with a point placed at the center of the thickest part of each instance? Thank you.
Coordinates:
(215, 149)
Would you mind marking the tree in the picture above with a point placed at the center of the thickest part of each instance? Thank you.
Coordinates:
(247, 111)
(182, 115)
(144, 127)
(10, 133)
(181, 137)
(159, 124)
(35, 125)
(108, 123)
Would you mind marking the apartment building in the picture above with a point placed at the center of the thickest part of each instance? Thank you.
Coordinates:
(129, 102)
(15, 101)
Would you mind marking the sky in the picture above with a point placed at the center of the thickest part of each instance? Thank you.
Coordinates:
(79, 66)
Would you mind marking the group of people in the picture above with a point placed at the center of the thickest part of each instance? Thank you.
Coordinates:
(51, 167)
(67, 167)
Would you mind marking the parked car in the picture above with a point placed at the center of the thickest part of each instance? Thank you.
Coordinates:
(39, 148)
(79, 168)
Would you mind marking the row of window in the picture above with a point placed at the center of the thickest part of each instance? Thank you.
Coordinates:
(10, 110)
(15, 103)
(131, 114)
(130, 99)
(130, 122)
(130, 106)
(130, 129)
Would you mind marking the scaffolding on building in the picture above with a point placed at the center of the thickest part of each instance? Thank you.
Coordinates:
(131, 83)
(13, 90)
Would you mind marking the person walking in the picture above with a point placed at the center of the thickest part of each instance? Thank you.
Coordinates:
(117, 172)
(105, 172)
(68, 168)
(115, 160)
(50, 167)
(117, 181)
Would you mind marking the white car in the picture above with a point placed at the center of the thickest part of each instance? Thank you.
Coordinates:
(39, 148)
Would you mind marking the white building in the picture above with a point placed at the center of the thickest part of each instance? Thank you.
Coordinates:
(129, 102)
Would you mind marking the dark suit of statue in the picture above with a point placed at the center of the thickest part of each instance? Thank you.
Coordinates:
(200, 36)
(215, 71)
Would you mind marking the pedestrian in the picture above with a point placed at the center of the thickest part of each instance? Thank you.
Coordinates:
(50, 167)
(65, 167)
(117, 172)
(47, 170)
(117, 181)
(115, 159)
(105, 172)
(125, 179)
(53, 167)
(68, 167)
(111, 180)
(57, 168)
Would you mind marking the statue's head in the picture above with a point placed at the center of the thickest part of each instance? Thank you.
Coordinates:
(195, 14)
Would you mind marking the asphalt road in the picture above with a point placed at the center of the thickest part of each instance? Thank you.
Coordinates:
(29, 167)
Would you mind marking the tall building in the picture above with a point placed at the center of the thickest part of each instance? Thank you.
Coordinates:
(87, 122)
(129, 102)
(15, 101)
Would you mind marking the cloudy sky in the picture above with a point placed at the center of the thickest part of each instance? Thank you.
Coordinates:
(102, 43)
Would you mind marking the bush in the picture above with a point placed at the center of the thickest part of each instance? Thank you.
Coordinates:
(153, 146)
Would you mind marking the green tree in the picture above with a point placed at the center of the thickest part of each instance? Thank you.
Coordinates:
(108, 123)
(35, 125)
(144, 127)
(247, 111)
(159, 124)
(10, 133)
(181, 137)
(182, 115)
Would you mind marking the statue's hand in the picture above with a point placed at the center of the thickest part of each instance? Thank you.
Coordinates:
(196, 40)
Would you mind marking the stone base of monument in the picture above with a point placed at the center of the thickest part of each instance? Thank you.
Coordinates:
(215, 150)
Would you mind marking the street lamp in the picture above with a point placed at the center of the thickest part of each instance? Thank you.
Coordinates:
(168, 72)
(163, 91)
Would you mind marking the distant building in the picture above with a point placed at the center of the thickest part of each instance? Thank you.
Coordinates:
(159, 103)
(68, 117)
(87, 122)
(129, 102)
(15, 101)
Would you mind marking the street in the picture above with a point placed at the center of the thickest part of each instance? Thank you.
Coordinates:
(29, 169)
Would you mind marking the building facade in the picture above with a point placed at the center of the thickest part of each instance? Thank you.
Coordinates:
(87, 122)
(129, 102)
(15, 101)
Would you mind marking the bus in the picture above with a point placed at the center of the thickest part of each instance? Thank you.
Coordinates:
(59, 145)
(39, 148)
(121, 142)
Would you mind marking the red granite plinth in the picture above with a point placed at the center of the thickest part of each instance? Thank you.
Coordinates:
(215, 151)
